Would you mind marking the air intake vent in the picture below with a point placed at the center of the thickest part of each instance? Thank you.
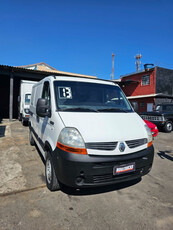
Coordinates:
(101, 145)
(136, 143)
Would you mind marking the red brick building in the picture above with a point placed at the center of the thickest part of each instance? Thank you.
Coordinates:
(149, 87)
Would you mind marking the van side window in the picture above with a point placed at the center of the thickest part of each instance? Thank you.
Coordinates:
(46, 92)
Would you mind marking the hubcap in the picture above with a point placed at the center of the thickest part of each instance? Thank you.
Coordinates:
(48, 171)
(169, 126)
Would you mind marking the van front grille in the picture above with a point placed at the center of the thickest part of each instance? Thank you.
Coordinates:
(136, 143)
(101, 145)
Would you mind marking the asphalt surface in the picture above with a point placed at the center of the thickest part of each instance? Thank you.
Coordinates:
(26, 203)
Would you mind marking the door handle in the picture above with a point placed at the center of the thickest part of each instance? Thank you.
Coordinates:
(51, 122)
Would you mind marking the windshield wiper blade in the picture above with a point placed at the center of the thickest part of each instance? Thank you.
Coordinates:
(112, 110)
(79, 109)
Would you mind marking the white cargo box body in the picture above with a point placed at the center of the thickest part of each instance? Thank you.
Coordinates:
(24, 98)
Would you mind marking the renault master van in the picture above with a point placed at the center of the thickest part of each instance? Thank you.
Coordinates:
(88, 133)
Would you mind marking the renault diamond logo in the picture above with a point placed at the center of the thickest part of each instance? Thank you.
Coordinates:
(122, 147)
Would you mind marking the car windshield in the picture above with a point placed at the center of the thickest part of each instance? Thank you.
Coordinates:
(27, 99)
(90, 97)
(164, 108)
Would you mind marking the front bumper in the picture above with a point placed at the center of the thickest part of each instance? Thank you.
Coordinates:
(78, 171)
(159, 123)
(25, 118)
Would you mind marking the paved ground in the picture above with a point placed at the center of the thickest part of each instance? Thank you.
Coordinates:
(25, 202)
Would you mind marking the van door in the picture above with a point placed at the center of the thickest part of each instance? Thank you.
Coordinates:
(44, 126)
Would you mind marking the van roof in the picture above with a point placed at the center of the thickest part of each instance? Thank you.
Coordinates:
(82, 79)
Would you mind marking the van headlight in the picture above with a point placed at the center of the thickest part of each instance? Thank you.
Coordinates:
(150, 137)
(70, 140)
(26, 111)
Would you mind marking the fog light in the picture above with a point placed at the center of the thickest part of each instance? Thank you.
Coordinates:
(142, 170)
(79, 180)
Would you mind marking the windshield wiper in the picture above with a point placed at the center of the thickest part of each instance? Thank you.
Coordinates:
(78, 109)
(112, 110)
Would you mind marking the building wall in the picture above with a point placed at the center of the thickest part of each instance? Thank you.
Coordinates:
(164, 81)
(136, 89)
(142, 103)
(161, 81)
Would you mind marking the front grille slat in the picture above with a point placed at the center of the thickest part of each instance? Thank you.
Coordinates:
(136, 143)
(109, 146)
(101, 145)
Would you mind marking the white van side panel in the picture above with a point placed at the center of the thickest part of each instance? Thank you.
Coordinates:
(36, 93)
(46, 128)
(25, 88)
(50, 128)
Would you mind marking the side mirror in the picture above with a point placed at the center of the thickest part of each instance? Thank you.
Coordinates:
(42, 108)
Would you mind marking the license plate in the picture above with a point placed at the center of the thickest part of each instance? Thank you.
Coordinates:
(126, 168)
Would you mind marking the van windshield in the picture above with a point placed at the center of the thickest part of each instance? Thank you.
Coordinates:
(90, 97)
(27, 99)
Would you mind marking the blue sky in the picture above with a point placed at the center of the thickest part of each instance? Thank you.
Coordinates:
(80, 36)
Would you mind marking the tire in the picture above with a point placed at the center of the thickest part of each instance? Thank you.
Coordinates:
(51, 179)
(31, 139)
(23, 122)
(19, 116)
(168, 126)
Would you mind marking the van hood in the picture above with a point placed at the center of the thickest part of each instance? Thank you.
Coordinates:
(106, 127)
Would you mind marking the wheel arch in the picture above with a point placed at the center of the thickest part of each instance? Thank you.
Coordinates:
(47, 147)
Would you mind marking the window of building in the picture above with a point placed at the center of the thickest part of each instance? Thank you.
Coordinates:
(135, 105)
(146, 80)
(142, 104)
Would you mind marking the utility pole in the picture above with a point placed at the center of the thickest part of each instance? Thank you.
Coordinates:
(113, 66)
(138, 62)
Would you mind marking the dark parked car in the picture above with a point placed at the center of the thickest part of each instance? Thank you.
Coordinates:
(162, 116)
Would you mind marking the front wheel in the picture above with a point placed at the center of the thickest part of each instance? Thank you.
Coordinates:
(168, 126)
(31, 139)
(19, 116)
(51, 179)
(24, 123)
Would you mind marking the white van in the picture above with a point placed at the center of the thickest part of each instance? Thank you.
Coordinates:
(88, 133)
(24, 100)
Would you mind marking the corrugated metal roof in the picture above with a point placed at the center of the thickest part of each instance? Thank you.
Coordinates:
(38, 64)
(137, 72)
(45, 71)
